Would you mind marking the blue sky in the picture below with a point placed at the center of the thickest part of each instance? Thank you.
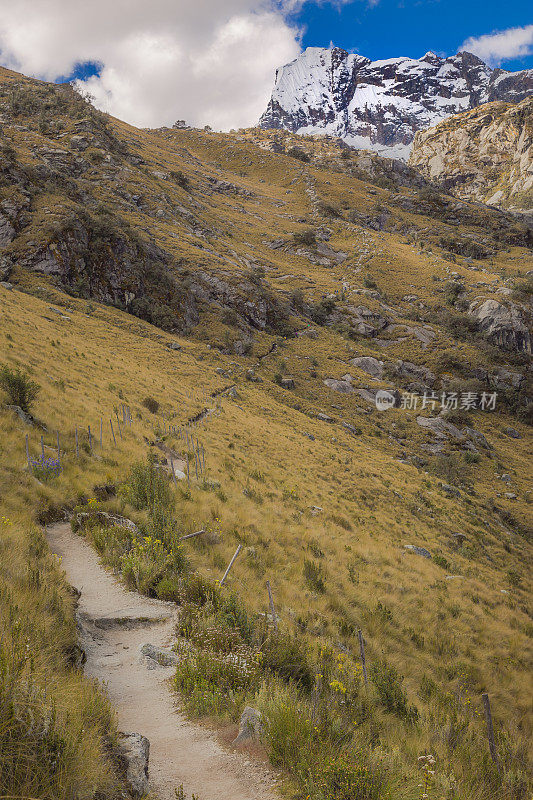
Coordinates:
(412, 27)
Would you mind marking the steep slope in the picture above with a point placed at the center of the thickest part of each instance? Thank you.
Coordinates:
(485, 154)
(262, 287)
(380, 105)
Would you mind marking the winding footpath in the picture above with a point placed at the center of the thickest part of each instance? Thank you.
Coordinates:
(114, 624)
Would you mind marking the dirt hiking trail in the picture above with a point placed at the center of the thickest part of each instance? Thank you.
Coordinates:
(114, 624)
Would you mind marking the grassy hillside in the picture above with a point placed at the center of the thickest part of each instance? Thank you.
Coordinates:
(232, 249)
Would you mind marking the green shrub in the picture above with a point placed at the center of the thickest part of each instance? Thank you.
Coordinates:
(147, 487)
(215, 683)
(345, 777)
(329, 211)
(151, 404)
(306, 237)
(388, 685)
(314, 576)
(21, 390)
(441, 562)
(181, 179)
(297, 152)
(287, 657)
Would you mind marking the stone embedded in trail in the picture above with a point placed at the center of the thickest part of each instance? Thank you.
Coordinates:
(135, 752)
(159, 656)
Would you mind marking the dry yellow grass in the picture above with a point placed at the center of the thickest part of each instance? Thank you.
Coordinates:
(270, 459)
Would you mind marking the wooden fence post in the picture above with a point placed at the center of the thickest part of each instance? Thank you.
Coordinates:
(191, 535)
(271, 603)
(28, 452)
(203, 458)
(77, 444)
(363, 659)
(112, 432)
(188, 476)
(490, 728)
(118, 425)
(42, 447)
(101, 432)
(58, 451)
(90, 438)
(236, 553)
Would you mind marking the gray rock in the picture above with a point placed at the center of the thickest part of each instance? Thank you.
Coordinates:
(352, 429)
(459, 538)
(369, 365)
(26, 418)
(104, 518)
(174, 346)
(159, 656)
(287, 383)
(439, 427)
(250, 726)
(512, 433)
(419, 551)
(324, 417)
(502, 324)
(415, 372)
(134, 751)
(338, 385)
(450, 490)
(509, 495)
(478, 438)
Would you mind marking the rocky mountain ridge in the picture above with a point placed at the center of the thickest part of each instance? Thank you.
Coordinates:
(380, 105)
(485, 154)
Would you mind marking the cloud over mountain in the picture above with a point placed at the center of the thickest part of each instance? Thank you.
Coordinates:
(500, 46)
(202, 60)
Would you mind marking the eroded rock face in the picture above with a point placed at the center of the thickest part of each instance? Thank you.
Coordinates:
(485, 154)
(504, 325)
(380, 105)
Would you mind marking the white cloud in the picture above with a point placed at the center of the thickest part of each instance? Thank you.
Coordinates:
(206, 61)
(494, 48)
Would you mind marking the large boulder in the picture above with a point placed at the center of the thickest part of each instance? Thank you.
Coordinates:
(342, 386)
(504, 325)
(369, 365)
(439, 427)
(134, 752)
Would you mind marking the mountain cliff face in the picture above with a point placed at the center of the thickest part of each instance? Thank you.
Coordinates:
(485, 154)
(380, 105)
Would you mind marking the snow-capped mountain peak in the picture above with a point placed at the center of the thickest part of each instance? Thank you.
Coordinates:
(380, 105)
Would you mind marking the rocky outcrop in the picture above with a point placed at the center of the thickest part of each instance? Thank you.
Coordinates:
(485, 154)
(380, 105)
(504, 325)
(134, 752)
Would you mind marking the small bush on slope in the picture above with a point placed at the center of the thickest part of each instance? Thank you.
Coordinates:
(21, 390)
